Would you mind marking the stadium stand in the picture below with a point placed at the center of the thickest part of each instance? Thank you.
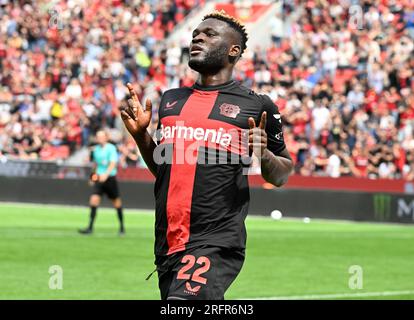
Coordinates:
(346, 96)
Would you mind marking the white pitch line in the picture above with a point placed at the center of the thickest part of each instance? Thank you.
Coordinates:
(338, 295)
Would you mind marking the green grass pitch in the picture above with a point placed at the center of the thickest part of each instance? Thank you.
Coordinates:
(285, 258)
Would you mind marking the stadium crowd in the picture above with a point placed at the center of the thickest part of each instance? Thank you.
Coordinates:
(344, 86)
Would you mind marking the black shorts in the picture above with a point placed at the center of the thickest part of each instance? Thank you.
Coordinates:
(109, 187)
(202, 273)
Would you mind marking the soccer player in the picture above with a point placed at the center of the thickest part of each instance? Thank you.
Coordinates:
(201, 205)
(103, 180)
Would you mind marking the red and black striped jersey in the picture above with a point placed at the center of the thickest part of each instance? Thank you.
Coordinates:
(201, 189)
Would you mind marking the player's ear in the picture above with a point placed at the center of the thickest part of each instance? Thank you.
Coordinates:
(234, 53)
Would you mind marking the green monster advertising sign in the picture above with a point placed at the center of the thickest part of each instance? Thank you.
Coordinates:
(382, 207)
(395, 208)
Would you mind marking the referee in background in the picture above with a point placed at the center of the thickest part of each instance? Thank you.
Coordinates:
(103, 179)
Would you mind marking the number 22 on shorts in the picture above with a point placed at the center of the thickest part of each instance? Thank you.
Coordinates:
(189, 261)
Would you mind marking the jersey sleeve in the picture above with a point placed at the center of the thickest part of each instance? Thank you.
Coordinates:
(157, 134)
(274, 130)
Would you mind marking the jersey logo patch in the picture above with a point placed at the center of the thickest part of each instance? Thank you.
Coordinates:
(277, 117)
(279, 135)
(229, 110)
(190, 289)
(169, 105)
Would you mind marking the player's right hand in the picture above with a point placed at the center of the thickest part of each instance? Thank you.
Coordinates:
(93, 178)
(134, 116)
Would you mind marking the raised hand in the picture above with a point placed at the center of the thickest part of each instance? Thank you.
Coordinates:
(258, 136)
(134, 116)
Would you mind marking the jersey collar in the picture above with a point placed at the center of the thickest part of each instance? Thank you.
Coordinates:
(215, 87)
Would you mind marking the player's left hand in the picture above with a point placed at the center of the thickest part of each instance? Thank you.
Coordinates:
(103, 177)
(258, 136)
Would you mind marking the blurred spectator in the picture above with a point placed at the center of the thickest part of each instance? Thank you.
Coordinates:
(62, 78)
(276, 26)
(348, 94)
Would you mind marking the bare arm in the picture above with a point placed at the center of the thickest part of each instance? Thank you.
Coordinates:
(103, 177)
(147, 146)
(276, 169)
(91, 160)
(137, 120)
(111, 167)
